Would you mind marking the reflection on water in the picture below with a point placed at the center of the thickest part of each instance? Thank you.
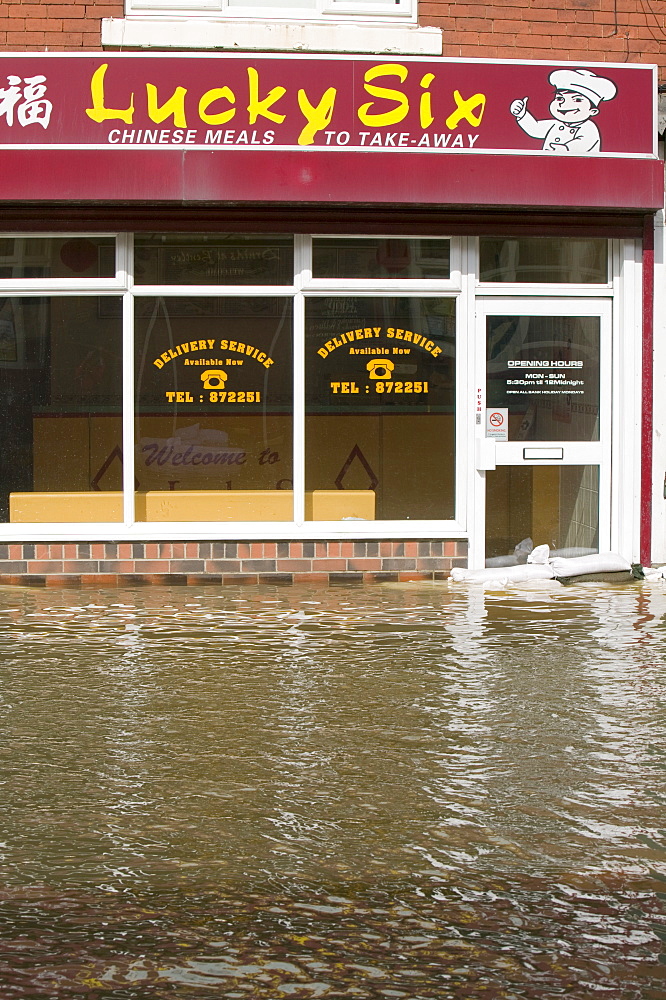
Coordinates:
(402, 791)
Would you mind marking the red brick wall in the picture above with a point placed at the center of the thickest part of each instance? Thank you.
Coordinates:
(62, 564)
(581, 30)
(30, 25)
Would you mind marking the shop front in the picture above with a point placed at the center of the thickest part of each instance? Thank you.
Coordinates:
(279, 317)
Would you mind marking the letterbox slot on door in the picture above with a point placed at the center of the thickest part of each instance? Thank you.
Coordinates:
(543, 454)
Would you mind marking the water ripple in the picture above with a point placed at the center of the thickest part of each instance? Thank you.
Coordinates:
(402, 791)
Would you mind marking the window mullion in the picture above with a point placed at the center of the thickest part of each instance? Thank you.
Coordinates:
(126, 264)
(302, 273)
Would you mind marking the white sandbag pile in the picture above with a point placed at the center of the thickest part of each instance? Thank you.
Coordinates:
(541, 564)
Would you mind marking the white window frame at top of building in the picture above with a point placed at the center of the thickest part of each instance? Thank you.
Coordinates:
(374, 27)
(309, 10)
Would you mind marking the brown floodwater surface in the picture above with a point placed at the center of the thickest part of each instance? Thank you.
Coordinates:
(415, 791)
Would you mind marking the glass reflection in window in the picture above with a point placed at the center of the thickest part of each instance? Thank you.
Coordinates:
(530, 505)
(214, 406)
(380, 257)
(57, 257)
(544, 259)
(380, 394)
(60, 394)
(545, 370)
(216, 259)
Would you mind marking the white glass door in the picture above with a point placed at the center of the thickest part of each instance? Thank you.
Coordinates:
(543, 427)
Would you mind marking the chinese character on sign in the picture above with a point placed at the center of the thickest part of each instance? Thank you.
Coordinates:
(28, 102)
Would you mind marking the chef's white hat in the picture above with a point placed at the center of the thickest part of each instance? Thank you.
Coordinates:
(583, 81)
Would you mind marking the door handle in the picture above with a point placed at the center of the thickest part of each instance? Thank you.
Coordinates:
(485, 454)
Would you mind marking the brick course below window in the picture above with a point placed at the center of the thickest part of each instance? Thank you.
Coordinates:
(74, 564)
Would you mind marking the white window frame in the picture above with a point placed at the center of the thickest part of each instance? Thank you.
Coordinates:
(304, 285)
(352, 27)
(579, 453)
(315, 10)
(622, 291)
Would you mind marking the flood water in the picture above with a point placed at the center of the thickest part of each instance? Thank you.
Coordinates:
(414, 790)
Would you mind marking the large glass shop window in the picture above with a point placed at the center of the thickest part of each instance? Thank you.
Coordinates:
(213, 408)
(214, 381)
(60, 395)
(380, 416)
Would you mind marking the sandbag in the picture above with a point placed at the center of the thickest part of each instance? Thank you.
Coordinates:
(539, 556)
(620, 576)
(599, 562)
(512, 560)
(572, 551)
(519, 555)
(502, 574)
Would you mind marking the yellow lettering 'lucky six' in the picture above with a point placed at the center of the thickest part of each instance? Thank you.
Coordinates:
(218, 105)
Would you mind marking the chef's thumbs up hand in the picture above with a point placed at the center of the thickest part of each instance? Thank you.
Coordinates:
(519, 107)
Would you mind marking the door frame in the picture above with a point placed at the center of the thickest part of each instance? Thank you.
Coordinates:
(488, 453)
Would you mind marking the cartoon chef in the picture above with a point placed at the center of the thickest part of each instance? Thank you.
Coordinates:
(578, 93)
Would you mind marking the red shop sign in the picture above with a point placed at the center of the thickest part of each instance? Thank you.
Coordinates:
(419, 123)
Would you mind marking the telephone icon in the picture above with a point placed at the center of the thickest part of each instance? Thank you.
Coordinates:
(213, 378)
(380, 368)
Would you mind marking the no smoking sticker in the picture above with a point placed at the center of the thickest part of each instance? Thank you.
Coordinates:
(497, 423)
